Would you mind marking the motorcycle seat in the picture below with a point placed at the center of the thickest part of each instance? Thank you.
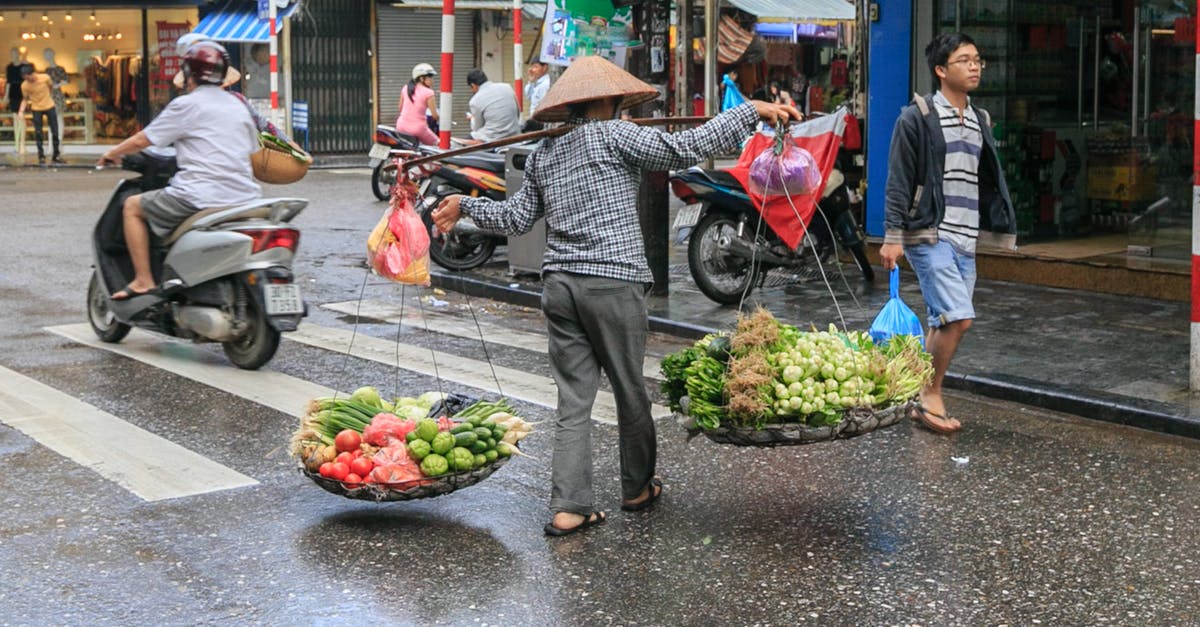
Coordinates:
(389, 136)
(263, 208)
(720, 177)
(491, 162)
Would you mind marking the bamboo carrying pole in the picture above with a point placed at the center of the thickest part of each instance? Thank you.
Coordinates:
(549, 132)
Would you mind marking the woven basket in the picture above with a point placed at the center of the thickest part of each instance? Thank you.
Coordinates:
(420, 489)
(857, 422)
(277, 167)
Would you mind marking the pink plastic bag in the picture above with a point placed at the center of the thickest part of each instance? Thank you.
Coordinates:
(794, 172)
(398, 246)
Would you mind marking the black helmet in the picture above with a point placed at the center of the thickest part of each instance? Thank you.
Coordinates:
(207, 62)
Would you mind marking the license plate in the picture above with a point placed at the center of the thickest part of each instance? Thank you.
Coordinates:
(378, 151)
(688, 216)
(283, 299)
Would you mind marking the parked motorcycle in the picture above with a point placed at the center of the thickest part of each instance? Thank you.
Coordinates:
(225, 275)
(731, 249)
(477, 174)
(389, 144)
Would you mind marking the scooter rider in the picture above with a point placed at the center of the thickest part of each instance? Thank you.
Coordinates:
(213, 135)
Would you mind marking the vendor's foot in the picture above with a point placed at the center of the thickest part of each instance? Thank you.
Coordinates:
(567, 523)
(931, 414)
(646, 498)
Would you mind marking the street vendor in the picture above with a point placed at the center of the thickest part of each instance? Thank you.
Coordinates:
(594, 272)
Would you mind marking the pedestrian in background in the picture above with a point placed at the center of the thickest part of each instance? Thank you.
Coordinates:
(595, 276)
(493, 109)
(778, 95)
(416, 100)
(945, 195)
(35, 96)
(535, 90)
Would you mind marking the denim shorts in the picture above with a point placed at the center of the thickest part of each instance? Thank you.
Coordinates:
(947, 279)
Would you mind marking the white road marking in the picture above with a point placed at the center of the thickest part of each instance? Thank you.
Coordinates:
(265, 387)
(147, 465)
(515, 383)
(451, 324)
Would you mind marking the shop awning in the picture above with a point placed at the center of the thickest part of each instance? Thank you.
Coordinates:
(535, 9)
(238, 21)
(796, 10)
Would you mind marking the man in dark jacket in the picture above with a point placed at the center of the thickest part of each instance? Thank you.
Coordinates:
(945, 194)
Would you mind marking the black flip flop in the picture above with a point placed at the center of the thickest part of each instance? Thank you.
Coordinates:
(920, 415)
(591, 519)
(641, 505)
(132, 293)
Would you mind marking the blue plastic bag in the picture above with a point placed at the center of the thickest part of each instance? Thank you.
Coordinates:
(733, 96)
(895, 318)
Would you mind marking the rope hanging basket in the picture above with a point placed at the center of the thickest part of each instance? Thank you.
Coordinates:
(856, 422)
(419, 489)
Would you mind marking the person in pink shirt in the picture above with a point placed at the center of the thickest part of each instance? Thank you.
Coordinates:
(415, 98)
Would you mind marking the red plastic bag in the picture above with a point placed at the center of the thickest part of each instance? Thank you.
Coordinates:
(398, 246)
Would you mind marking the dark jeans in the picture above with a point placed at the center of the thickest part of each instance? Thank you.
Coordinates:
(52, 114)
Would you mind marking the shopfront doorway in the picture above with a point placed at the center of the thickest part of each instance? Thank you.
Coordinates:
(1093, 107)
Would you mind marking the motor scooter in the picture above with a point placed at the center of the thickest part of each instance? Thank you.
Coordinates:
(389, 144)
(224, 275)
(466, 246)
(731, 249)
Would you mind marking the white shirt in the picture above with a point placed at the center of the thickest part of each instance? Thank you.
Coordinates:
(535, 91)
(258, 78)
(214, 136)
(494, 113)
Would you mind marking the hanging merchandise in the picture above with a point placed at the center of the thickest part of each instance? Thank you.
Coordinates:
(398, 246)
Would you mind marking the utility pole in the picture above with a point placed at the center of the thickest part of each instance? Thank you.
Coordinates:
(650, 63)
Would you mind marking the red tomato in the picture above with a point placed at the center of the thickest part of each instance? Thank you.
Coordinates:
(357, 453)
(347, 440)
(325, 469)
(352, 481)
(339, 471)
(345, 458)
(361, 466)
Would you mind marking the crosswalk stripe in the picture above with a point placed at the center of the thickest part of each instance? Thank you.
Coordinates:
(447, 324)
(477, 374)
(147, 465)
(265, 387)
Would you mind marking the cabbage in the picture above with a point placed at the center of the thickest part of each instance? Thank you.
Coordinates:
(794, 172)
(427, 399)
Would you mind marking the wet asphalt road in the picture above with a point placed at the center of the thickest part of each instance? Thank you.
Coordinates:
(1026, 517)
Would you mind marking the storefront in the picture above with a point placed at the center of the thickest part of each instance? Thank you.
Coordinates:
(110, 56)
(1093, 108)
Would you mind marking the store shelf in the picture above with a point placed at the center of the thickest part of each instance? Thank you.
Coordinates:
(77, 123)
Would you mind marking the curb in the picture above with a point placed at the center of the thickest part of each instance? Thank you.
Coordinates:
(1092, 404)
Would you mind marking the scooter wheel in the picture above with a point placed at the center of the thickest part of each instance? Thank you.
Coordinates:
(257, 346)
(382, 179)
(100, 316)
(721, 275)
(454, 251)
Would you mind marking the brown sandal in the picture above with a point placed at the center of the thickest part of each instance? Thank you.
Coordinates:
(922, 417)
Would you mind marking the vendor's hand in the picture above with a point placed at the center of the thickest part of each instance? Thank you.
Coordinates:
(773, 114)
(889, 254)
(447, 213)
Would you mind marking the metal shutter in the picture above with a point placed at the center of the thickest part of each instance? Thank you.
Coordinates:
(411, 36)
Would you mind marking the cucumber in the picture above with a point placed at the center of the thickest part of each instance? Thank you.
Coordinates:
(491, 442)
(491, 455)
(466, 426)
(465, 439)
(479, 446)
(483, 433)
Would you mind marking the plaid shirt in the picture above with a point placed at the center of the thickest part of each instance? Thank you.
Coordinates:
(586, 185)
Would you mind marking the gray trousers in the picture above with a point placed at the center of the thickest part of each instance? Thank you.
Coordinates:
(593, 323)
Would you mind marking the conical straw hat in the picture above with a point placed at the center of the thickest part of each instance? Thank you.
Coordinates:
(592, 78)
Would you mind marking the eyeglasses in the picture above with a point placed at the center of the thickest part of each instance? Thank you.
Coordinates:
(980, 63)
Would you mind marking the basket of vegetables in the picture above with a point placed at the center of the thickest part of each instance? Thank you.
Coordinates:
(363, 447)
(771, 384)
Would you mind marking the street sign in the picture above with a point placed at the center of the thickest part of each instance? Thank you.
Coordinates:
(300, 115)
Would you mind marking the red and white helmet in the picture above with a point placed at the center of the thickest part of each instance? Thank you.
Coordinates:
(206, 62)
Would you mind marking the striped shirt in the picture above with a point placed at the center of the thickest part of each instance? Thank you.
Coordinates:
(960, 186)
(586, 184)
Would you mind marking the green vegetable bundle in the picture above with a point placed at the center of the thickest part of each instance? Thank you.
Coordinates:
(779, 374)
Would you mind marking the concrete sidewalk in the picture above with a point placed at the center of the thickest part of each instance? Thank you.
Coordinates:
(1114, 358)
